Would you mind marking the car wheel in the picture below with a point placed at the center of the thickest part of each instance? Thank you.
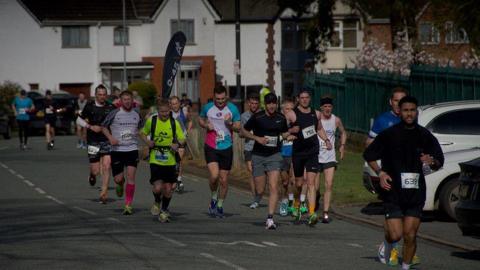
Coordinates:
(449, 198)
(7, 135)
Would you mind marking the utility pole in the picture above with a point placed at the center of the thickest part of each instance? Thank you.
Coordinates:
(237, 97)
(124, 79)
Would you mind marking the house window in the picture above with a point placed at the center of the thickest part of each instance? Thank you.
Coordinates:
(429, 34)
(120, 37)
(75, 37)
(344, 34)
(186, 26)
(454, 34)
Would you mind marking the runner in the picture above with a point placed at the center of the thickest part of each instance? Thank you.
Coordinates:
(81, 131)
(121, 128)
(21, 106)
(267, 127)
(166, 136)
(50, 117)
(219, 118)
(253, 107)
(99, 148)
(288, 180)
(183, 118)
(403, 150)
(327, 158)
(306, 123)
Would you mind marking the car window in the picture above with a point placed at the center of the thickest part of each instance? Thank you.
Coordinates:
(465, 122)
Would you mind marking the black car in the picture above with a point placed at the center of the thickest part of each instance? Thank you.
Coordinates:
(468, 207)
(65, 104)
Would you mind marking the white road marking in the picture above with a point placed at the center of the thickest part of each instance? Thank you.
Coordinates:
(4, 166)
(20, 176)
(236, 243)
(270, 244)
(222, 261)
(355, 245)
(12, 171)
(29, 183)
(39, 190)
(85, 211)
(54, 199)
(170, 240)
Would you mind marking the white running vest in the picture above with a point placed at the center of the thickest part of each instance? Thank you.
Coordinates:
(325, 156)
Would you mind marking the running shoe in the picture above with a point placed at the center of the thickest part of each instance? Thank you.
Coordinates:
(254, 205)
(220, 212)
(49, 146)
(393, 261)
(291, 209)
(283, 209)
(312, 219)
(127, 210)
(180, 187)
(303, 208)
(119, 189)
(297, 214)
(270, 225)
(415, 260)
(164, 216)
(326, 219)
(103, 198)
(155, 210)
(79, 145)
(381, 253)
(212, 208)
(92, 180)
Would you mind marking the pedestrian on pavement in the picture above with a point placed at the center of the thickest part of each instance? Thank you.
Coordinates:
(327, 157)
(121, 128)
(50, 110)
(99, 148)
(404, 150)
(81, 131)
(253, 107)
(220, 118)
(22, 106)
(268, 127)
(166, 136)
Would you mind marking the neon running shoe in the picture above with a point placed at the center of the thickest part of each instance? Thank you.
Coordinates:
(127, 210)
(283, 209)
(312, 219)
(270, 225)
(393, 260)
(155, 210)
(164, 216)
(415, 260)
(119, 189)
(212, 208)
(220, 212)
(303, 208)
(297, 214)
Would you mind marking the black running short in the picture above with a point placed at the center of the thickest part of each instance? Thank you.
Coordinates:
(223, 157)
(120, 160)
(324, 166)
(50, 120)
(304, 162)
(166, 174)
(398, 210)
(96, 150)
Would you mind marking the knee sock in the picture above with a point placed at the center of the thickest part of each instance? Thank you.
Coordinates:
(165, 203)
(220, 203)
(129, 191)
(302, 198)
(214, 195)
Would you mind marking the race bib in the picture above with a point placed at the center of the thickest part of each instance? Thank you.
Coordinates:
(162, 156)
(220, 135)
(308, 132)
(22, 111)
(410, 180)
(93, 150)
(48, 111)
(272, 141)
(287, 143)
(126, 135)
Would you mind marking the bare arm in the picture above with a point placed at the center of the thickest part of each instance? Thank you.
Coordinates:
(203, 122)
(148, 142)
(109, 136)
(384, 177)
(343, 137)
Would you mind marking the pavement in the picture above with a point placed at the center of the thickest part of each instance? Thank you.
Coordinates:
(50, 218)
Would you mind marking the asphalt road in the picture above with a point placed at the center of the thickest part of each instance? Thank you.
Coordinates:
(50, 218)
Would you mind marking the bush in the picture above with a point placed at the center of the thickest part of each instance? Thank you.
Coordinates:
(146, 90)
(8, 90)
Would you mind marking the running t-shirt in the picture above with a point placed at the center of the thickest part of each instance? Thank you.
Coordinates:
(220, 137)
(306, 142)
(330, 127)
(79, 105)
(181, 118)
(94, 114)
(163, 138)
(382, 122)
(244, 119)
(22, 105)
(399, 149)
(49, 108)
(124, 126)
(270, 127)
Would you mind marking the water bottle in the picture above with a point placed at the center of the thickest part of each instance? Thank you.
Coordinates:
(426, 169)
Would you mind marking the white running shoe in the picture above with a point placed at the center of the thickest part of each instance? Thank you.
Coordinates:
(254, 205)
(270, 225)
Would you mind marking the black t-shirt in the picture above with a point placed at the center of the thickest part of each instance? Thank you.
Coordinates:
(271, 127)
(399, 149)
(94, 115)
(307, 139)
(49, 108)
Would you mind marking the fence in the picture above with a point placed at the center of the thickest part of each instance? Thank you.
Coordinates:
(361, 95)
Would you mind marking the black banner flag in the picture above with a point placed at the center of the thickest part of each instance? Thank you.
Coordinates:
(171, 64)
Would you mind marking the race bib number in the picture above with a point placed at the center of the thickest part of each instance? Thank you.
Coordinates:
(22, 111)
(220, 135)
(162, 156)
(48, 111)
(126, 135)
(410, 180)
(308, 132)
(271, 141)
(93, 150)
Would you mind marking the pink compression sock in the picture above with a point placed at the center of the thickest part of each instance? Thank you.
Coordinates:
(130, 190)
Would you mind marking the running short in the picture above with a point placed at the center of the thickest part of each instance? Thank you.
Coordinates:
(247, 155)
(223, 157)
(396, 210)
(50, 120)
(304, 162)
(262, 164)
(166, 174)
(96, 150)
(120, 160)
(324, 166)
(286, 164)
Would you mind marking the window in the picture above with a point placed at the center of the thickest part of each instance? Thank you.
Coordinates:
(186, 26)
(344, 34)
(428, 33)
(454, 35)
(464, 122)
(120, 37)
(75, 37)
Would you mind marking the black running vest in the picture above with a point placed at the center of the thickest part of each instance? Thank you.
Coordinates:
(308, 123)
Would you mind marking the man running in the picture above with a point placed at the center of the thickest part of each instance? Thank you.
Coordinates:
(21, 106)
(253, 106)
(50, 117)
(268, 127)
(99, 148)
(327, 158)
(81, 131)
(306, 124)
(220, 118)
(183, 118)
(166, 136)
(286, 172)
(403, 149)
(121, 128)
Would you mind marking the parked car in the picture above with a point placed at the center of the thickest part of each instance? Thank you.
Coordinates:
(34, 94)
(468, 208)
(5, 126)
(65, 115)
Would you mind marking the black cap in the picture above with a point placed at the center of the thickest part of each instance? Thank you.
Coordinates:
(270, 98)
